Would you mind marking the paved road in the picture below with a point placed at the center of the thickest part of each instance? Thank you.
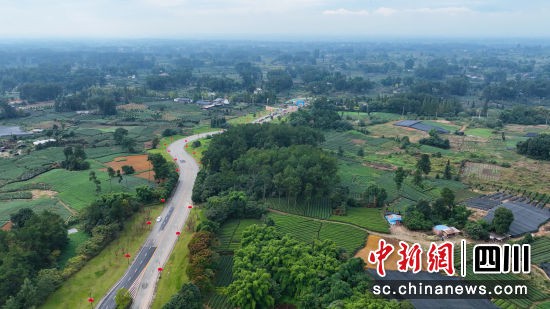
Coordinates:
(141, 277)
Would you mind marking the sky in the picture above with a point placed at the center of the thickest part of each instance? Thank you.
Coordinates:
(274, 18)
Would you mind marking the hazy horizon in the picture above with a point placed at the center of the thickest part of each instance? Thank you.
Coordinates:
(275, 20)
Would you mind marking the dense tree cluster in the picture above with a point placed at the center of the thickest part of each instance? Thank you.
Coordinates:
(26, 254)
(165, 175)
(189, 297)
(263, 160)
(39, 91)
(536, 147)
(9, 112)
(270, 267)
(202, 260)
(525, 115)
(321, 115)
(435, 140)
(424, 215)
(75, 159)
(417, 103)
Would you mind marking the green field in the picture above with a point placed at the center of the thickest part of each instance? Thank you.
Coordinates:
(104, 270)
(75, 240)
(368, 218)
(316, 209)
(75, 189)
(540, 250)
(37, 205)
(308, 230)
(230, 232)
(480, 132)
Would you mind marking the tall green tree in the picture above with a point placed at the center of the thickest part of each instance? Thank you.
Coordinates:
(424, 164)
(119, 135)
(399, 177)
(123, 299)
(188, 297)
(417, 177)
(502, 220)
(447, 173)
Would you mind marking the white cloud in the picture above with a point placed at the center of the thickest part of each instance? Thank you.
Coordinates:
(342, 11)
(452, 10)
(384, 11)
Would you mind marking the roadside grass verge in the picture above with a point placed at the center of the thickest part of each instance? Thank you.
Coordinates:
(175, 274)
(104, 270)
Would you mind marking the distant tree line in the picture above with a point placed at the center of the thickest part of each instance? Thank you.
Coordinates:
(525, 115)
(420, 104)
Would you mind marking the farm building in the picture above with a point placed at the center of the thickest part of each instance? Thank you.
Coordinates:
(394, 219)
(445, 231)
(183, 100)
(527, 218)
(498, 237)
(418, 125)
(6, 226)
(531, 134)
(43, 141)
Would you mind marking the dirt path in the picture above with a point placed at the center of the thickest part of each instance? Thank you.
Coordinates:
(72, 211)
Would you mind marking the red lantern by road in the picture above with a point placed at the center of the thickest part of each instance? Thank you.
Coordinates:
(178, 233)
(162, 200)
(127, 256)
(175, 159)
(90, 300)
(168, 150)
(186, 141)
(190, 206)
(160, 269)
(148, 222)
(177, 170)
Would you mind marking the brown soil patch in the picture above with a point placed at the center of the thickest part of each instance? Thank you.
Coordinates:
(543, 230)
(380, 166)
(7, 226)
(139, 163)
(143, 168)
(40, 193)
(358, 141)
(132, 106)
(477, 214)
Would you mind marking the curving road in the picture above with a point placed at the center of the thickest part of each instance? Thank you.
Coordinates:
(141, 277)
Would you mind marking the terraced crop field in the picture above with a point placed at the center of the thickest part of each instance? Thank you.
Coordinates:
(540, 250)
(308, 230)
(230, 232)
(368, 218)
(316, 209)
